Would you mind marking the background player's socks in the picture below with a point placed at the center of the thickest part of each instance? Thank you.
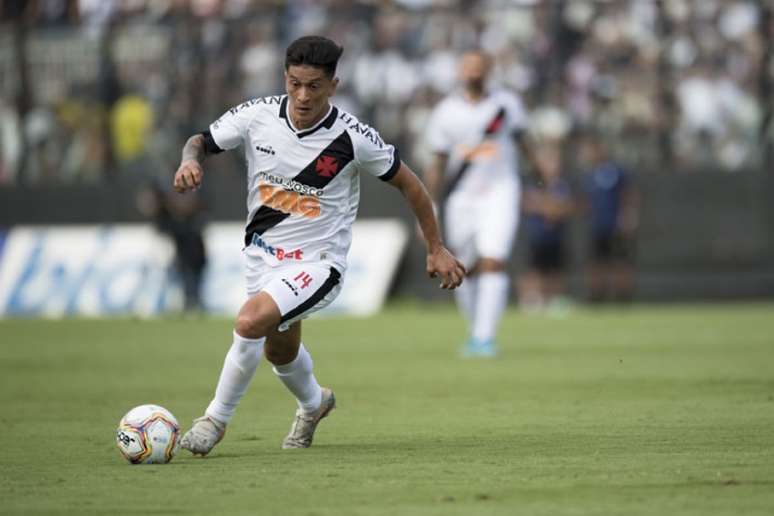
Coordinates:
(465, 295)
(299, 379)
(238, 370)
(491, 300)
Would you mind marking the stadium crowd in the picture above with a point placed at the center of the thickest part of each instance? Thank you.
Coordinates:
(91, 89)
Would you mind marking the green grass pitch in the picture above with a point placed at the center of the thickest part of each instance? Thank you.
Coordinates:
(649, 410)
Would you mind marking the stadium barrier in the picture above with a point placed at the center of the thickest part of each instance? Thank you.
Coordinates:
(127, 270)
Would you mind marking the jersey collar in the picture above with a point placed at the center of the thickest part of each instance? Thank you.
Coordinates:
(326, 122)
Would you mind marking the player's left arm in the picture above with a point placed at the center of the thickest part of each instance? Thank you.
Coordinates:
(518, 127)
(440, 262)
(526, 149)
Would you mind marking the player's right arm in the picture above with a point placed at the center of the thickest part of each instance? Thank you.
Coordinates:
(227, 132)
(190, 173)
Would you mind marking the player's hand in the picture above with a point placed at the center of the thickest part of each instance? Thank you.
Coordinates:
(189, 176)
(441, 262)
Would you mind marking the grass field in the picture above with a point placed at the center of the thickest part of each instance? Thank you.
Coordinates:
(651, 410)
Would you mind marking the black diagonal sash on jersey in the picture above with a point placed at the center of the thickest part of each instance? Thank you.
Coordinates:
(492, 127)
(339, 149)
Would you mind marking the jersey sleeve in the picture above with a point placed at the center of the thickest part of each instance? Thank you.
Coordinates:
(437, 136)
(374, 156)
(230, 130)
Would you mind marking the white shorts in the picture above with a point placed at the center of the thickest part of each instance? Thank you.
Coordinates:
(484, 226)
(299, 289)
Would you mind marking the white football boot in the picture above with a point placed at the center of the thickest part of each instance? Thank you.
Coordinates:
(302, 431)
(205, 433)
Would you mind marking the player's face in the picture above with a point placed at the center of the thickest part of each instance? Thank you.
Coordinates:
(308, 90)
(474, 69)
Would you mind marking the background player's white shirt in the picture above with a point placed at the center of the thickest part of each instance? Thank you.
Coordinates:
(303, 185)
(478, 137)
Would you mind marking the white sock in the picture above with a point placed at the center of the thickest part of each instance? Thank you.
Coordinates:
(238, 370)
(299, 379)
(465, 295)
(490, 303)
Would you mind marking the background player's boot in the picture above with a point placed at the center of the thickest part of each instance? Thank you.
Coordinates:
(205, 433)
(470, 349)
(479, 348)
(302, 431)
(487, 348)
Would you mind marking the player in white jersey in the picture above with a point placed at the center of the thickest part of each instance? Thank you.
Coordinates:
(304, 159)
(473, 134)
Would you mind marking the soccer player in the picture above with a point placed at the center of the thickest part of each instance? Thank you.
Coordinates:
(304, 157)
(474, 134)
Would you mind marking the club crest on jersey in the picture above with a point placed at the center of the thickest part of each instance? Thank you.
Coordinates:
(326, 166)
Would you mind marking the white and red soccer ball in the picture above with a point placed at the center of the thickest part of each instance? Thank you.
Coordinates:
(148, 434)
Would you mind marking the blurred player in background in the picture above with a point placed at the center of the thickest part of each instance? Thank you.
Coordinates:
(548, 206)
(474, 134)
(182, 218)
(304, 160)
(612, 202)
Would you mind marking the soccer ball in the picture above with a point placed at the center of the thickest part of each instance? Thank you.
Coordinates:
(148, 434)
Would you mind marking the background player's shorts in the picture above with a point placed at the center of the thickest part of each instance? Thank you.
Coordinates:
(484, 226)
(299, 289)
(547, 257)
(612, 247)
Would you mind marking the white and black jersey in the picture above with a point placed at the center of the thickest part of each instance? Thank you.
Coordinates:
(479, 139)
(303, 185)
(482, 187)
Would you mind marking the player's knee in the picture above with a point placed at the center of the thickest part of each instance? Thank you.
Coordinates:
(252, 325)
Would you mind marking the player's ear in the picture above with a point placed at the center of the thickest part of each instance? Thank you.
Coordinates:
(334, 84)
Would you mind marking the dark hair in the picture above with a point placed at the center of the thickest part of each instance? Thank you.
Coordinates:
(314, 51)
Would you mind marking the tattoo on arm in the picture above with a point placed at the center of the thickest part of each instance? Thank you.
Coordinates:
(194, 149)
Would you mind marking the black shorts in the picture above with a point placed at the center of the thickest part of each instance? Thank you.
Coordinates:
(547, 258)
(613, 248)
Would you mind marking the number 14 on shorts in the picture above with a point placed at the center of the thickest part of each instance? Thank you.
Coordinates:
(303, 278)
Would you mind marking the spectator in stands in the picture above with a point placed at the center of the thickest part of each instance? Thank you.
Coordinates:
(664, 78)
(612, 204)
(131, 120)
(548, 205)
